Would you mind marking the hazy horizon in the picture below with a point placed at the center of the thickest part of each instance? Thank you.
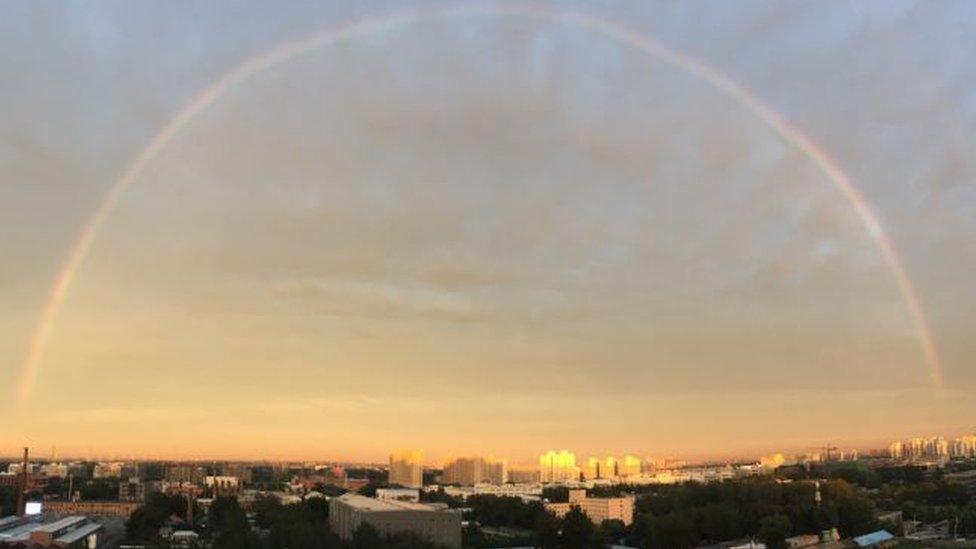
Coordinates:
(486, 234)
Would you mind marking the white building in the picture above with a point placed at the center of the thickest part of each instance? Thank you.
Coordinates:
(398, 494)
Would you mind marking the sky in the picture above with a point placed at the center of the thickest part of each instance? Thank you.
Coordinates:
(487, 234)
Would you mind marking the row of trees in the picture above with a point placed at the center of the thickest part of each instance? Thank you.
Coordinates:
(687, 515)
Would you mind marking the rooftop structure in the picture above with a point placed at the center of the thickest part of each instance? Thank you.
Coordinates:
(68, 532)
(348, 512)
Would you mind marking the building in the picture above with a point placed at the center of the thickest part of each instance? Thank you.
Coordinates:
(896, 450)
(223, 486)
(525, 492)
(596, 509)
(464, 471)
(936, 447)
(184, 473)
(406, 469)
(881, 538)
(558, 467)
(107, 470)
(591, 469)
(916, 448)
(133, 489)
(54, 470)
(399, 494)
(495, 471)
(439, 526)
(16, 467)
(240, 470)
(475, 470)
(120, 509)
(629, 466)
(523, 475)
(75, 532)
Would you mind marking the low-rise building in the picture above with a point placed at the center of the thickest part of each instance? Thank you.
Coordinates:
(349, 511)
(597, 509)
(399, 494)
(120, 509)
(74, 532)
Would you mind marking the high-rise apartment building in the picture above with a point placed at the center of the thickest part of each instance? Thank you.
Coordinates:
(464, 471)
(629, 466)
(524, 475)
(591, 469)
(475, 470)
(406, 468)
(964, 447)
(558, 467)
(916, 448)
(495, 471)
(896, 450)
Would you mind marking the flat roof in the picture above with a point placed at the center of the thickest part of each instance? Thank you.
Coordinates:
(79, 533)
(66, 522)
(873, 538)
(19, 533)
(12, 520)
(371, 504)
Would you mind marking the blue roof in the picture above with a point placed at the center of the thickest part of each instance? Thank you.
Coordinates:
(873, 538)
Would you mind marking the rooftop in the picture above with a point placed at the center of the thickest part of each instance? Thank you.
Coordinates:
(370, 504)
(873, 538)
(79, 533)
(66, 522)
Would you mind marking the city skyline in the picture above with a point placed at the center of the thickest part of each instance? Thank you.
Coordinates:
(528, 461)
(493, 228)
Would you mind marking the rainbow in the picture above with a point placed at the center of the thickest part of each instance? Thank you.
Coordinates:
(377, 24)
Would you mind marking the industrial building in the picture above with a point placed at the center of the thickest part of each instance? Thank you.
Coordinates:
(74, 532)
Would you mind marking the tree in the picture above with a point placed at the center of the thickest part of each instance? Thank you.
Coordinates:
(721, 522)
(144, 523)
(302, 526)
(547, 530)
(369, 489)
(672, 531)
(773, 531)
(855, 516)
(229, 527)
(610, 532)
(267, 510)
(577, 529)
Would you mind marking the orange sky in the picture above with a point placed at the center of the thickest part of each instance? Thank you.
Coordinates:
(488, 236)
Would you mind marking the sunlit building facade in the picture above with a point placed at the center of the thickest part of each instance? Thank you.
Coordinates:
(406, 469)
(558, 467)
(629, 466)
(964, 447)
(896, 450)
(464, 471)
(591, 469)
(596, 509)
